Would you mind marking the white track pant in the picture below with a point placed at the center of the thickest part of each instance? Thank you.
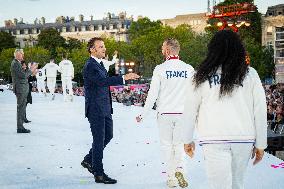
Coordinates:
(51, 81)
(226, 164)
(41, 85)
(67, 84)
(170, 131)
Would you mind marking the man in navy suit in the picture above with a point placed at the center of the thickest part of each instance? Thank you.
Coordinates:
(98, 107)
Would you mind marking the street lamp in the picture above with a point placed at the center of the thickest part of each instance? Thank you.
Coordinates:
(132, 64)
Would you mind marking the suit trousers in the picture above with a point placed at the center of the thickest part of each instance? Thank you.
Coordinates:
(21, 108)
(226, 164)
(170, 133)
(102, 132)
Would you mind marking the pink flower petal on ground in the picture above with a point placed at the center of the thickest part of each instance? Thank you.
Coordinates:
(274, 166)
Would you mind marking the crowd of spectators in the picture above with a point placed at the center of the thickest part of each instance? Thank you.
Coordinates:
(275, 105)
(136, 95)
(128, 97)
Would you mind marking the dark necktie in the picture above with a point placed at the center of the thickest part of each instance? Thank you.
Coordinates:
(102, 64)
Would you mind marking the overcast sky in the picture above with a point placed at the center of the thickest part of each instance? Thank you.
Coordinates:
(29, 10)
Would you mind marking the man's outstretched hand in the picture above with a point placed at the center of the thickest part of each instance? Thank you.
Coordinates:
(131, 76)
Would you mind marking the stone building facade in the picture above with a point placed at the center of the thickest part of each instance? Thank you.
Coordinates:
(198, 22)
(110, 26)
(273, 36)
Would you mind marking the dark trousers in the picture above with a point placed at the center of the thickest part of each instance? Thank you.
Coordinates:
(21, 108)
(102, 132)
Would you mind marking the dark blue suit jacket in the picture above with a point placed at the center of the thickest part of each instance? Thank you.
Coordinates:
(96, 84)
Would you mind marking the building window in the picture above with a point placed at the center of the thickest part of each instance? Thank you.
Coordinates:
(280, 36)
(279, 44)
(279, 53)
(278, 29)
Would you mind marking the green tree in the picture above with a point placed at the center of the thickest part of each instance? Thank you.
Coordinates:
(142, 27)
(6, 40)
(146, 48)
(253, 31)
(79, 57)
(50, 39)
(261, 58)
(37, 54)
(72, 43)
(6, 57)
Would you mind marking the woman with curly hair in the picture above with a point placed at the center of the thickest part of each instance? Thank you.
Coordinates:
(226, 103)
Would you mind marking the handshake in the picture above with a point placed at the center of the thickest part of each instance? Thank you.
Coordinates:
(131, 76)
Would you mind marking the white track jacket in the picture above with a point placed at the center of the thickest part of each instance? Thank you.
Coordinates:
(51, 69)
(238, 118)
(168, 87)
(66, 68)
(40, 74)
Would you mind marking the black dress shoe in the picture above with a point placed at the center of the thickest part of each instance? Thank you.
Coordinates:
(88, 166)
(105, 179)
(23, 130)
(26, 121)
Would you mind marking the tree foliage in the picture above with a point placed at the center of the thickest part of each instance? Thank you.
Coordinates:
(37, 54)
(261, 58)
(144, 48)
(6, 40)
(50, 39)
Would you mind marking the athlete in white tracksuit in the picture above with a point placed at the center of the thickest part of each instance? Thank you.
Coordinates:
(67, 74)
(40, 77)
(167, 91)
(51, 73)
(231, 127)
(108, 63)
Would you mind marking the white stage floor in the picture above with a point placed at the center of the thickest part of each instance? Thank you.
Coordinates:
(50, 156)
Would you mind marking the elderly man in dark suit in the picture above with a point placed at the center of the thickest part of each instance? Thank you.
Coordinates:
(98, 107)
(21, 87)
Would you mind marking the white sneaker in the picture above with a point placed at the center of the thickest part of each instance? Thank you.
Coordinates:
(181, 180)
(171, 183)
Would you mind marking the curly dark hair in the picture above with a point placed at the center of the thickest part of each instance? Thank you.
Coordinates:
(92, 41)
(227, 52)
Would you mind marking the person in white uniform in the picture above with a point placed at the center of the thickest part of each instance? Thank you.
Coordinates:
(228, 109)
(167, 91)
(40, 77)
(51, 73)
(67, 74)
(108, 63)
